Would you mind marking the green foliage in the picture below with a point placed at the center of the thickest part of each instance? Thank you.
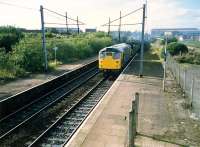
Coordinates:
(175, 48)
(8, 67)
(28, 56)
(191, 58)
(192, 43)
(9, 36)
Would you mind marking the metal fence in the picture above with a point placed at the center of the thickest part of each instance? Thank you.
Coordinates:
(189, 80)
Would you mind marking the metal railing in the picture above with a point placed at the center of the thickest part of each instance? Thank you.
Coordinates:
(189, 80)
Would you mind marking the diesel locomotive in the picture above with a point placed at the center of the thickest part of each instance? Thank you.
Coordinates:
(112, 59)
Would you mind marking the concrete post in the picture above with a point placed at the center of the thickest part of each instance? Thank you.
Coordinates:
(142, 42)
(43, 38)
(136, 109)
(130, 131)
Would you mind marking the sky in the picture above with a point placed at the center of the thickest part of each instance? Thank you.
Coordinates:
(94, 13)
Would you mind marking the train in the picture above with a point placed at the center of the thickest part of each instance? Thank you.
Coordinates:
(112, 59)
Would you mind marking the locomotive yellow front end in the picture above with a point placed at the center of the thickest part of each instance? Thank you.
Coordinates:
(109, 60)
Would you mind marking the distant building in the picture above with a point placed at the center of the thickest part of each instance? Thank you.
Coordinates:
(180, 33)
(90, 30)
(62, 30)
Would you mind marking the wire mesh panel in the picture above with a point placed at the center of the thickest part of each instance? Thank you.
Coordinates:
(189, 80)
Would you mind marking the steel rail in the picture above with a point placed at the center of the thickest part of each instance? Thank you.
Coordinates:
(67, 112)
(37, 140)
(24, 107)
(49, 105)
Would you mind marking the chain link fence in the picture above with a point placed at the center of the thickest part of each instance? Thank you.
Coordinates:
(189, 80)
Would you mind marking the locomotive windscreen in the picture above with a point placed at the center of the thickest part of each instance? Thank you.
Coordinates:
(112, 50)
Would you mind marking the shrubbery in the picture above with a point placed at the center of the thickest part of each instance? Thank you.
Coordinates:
(9, 36)
(191, 58)
(27, 55)
(175, 48)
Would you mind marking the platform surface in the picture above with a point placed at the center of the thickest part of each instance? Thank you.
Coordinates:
(107, 125)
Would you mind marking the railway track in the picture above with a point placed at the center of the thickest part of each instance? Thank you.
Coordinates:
(12, 127)
(59, 133)
(54, 118)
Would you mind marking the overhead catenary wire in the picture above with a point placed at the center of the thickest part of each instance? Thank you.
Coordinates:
(52, 23)
(62, 15)
(125, 24)
(18, 6)
(123, 16)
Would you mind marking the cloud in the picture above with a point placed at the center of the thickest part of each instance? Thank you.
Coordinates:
(161, 13)
(170, 13)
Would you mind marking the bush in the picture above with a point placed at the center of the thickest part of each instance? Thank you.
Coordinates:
(9, 36)
(175, 48)
(191, 58)
(28, 56)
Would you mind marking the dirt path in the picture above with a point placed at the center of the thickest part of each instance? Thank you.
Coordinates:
(22, 84)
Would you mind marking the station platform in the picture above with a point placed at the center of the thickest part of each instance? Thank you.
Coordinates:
(107, 125)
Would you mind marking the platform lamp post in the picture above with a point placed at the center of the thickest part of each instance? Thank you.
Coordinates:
(167, 34)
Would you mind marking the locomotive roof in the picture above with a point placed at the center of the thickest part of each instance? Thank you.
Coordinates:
(120, 47)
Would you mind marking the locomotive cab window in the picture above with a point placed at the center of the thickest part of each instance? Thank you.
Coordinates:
(102, 54)
(116, 55)
(113, 52)
(109, 53)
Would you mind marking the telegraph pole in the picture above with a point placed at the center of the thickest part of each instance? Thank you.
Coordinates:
(142, 42)
(43, 38)
(109, 27)
(120, 22)
(78, 26)
(67, 23)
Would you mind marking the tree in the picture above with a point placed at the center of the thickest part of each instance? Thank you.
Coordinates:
(9, 36)
(175, 48)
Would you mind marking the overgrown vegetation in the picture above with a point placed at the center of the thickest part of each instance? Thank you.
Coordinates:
(181, 52)
(23, 52)
(9, 36)
(192, 43)
(175, 48)
(191, 58)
